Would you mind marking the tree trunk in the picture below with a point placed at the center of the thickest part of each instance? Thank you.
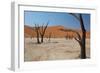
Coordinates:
(42, 32)
(38, 41)
(37, 32)
(49, 37)
(83, 48)
(83, 40)
(42, 39)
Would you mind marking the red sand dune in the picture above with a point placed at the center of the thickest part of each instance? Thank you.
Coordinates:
(55, 31)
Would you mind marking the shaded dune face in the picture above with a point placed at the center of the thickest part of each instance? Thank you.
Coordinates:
(54, 31)
(28, 31)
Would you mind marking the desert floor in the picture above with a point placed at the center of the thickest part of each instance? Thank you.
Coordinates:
(56, 49)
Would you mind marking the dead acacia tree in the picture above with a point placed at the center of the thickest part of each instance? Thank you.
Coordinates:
(42, 31)
(37, 32)
(49, 36)
(81, 39)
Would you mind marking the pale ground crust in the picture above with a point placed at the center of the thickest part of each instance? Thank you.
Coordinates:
(56, 49)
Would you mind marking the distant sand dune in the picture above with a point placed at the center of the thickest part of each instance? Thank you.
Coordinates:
(55, 31)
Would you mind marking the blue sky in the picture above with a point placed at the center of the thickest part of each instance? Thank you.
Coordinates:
(54, 19)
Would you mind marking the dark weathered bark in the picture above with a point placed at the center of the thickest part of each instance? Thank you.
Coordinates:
(42, 39)
(81, 40)
(83, 48)
(42, 32)
(37, 33)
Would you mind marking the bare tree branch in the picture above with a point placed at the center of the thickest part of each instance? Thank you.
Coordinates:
(75, 16)
(42, 31)
(78, 35)
(79, 41)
